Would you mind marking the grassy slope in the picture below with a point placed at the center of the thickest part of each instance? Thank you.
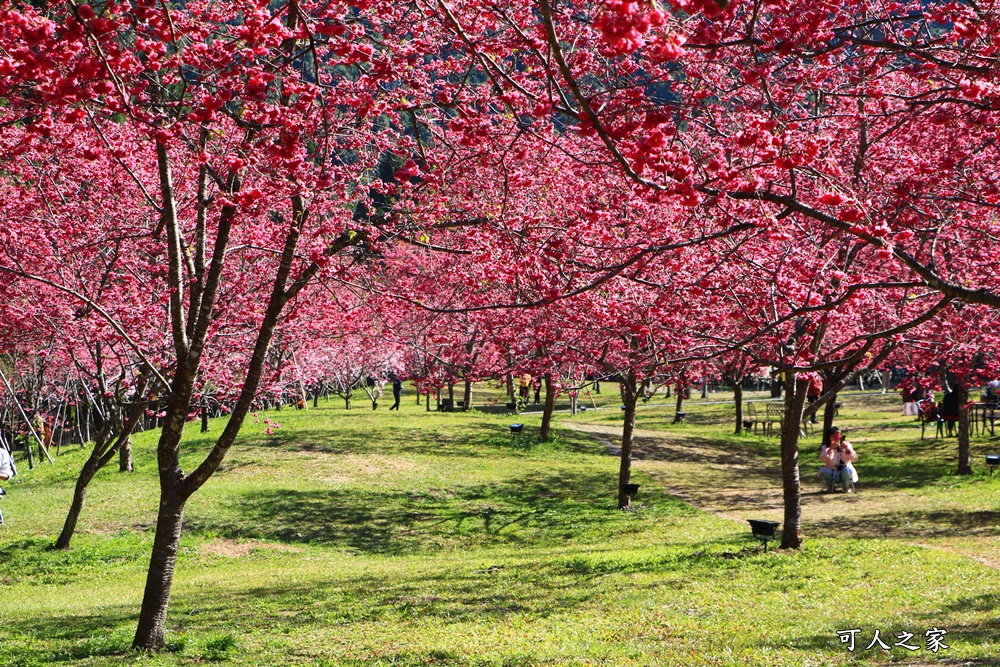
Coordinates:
(360, 538)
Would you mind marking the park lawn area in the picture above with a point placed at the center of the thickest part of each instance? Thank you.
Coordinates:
(413, 538)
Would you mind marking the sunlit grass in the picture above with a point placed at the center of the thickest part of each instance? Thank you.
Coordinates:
(376, 538)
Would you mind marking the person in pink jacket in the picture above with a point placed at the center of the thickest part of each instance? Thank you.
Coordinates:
(837, 460)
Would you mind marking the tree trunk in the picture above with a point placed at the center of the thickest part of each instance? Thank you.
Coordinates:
(90, 469)
(572, 404)
(347, 401)
(680, 406)
(964, 466)
(795, 396)
(738, 398)
(150, 633)
(83, 412)
(204, 416)
(467, 396)
(316, 398)
(125, 456)
(31, 455)
(829, 413)
(550, 406)
(628, 437)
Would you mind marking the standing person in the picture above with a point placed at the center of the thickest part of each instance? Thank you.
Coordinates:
(814, 392)
(909, 403)
(837, 460)
(7, 471)
(992, 394)
(538, 389)
(397, 391)
(47, 431)
(525, 387)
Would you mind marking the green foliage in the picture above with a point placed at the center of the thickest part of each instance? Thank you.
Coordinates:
(217, 646)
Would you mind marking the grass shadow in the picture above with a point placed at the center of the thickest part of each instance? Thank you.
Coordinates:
(541, 510)
(915, 524)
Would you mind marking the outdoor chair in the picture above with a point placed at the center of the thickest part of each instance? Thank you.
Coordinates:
(774, 414)
(927, 414)
(982, 415)
(947, 426)
(750, 420)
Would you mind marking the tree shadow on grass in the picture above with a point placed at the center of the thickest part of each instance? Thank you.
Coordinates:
(445, 595)
(978, 603)
(540, 510)
(894, 466)
(436, 657)
(916, 524)
(984, 633)
(69, 640)
(547, 584)
(464, 438)
(692, 448)
(453, 595)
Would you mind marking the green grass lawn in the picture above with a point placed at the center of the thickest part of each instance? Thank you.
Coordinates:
(413, 538)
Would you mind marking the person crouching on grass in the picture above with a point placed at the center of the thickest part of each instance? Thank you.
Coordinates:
(837, 459)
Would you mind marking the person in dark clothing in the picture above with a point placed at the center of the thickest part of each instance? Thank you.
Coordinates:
(948, 410)
(949, 405)
(397, 391)
(814, 392)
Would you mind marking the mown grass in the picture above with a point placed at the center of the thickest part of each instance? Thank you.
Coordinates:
(376, 538)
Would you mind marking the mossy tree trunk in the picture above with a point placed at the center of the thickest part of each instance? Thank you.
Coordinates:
(795, 396)
(550, 406)
(738, 399)
(964, 464)
(630, 397)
